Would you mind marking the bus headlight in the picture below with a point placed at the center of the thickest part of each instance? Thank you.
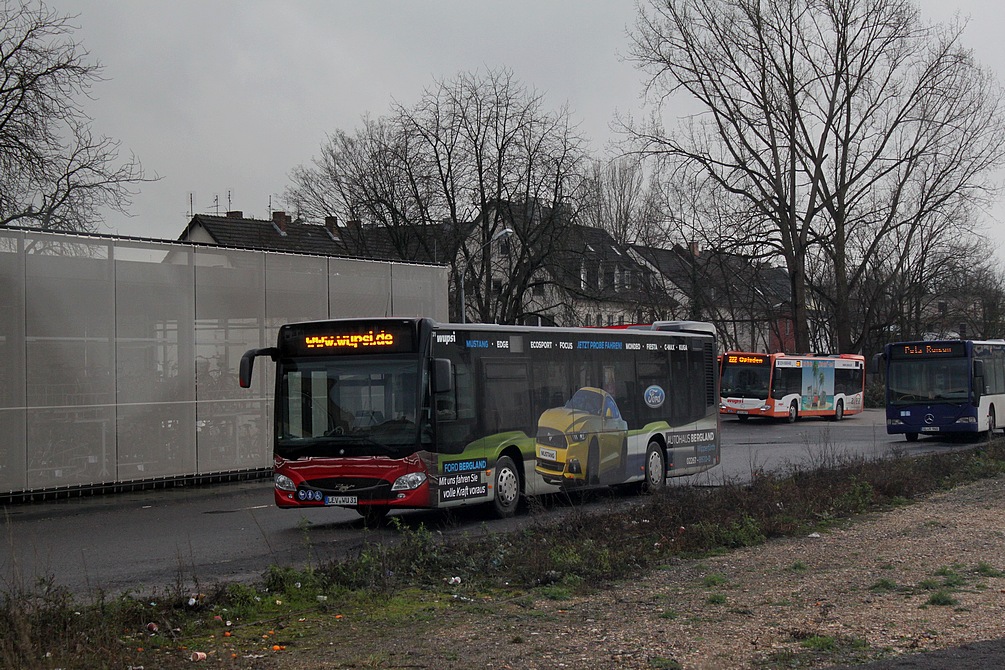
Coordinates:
(765, 408)
(409, 482)
(967, 419)
(284, 483)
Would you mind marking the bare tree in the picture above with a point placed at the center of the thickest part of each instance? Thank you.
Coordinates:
(54, 172)
(841, 123)
(620, 197)
(477, 155)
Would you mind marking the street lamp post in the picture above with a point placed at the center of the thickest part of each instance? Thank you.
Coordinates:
(505, 232)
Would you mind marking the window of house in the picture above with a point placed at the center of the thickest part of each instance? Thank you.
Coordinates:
(497, 287)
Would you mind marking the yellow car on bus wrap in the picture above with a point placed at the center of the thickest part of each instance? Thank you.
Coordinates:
(584, 442)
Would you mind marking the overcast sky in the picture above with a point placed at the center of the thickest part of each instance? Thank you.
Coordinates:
(222, 99)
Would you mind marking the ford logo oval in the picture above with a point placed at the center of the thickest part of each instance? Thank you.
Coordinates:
(655, 396)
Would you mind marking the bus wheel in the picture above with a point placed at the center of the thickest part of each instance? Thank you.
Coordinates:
(742, 417)
(911, 437)
(656, 469)
(839, 411)
(793, 413)
(991, 422)
(593, 463)
(373, 515)
(507, 488)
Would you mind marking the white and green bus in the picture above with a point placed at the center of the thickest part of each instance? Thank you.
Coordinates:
(390, 413)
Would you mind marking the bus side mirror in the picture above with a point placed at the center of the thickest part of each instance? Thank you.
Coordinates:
(978, 379)
(443, 375)
(248, 363)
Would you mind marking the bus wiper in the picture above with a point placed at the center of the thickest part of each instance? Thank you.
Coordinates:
(318, 446)
(356, 440)
(291, 447)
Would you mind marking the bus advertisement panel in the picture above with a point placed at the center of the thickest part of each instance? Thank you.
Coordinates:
(940, 387)
(789, 387)
(381, 414)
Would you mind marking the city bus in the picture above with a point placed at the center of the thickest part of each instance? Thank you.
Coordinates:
(789, 387)
(944, 387)
(389, 413)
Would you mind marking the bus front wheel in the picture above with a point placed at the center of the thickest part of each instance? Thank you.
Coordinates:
(656, 469)
(839, 411)
(793, 413)
(911, 437)
(507, 488)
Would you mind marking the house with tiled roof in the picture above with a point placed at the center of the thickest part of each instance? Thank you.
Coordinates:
(596, 281)
(436, 244)
(279, 234)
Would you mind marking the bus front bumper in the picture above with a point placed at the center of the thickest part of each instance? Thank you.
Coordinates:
(901, 426)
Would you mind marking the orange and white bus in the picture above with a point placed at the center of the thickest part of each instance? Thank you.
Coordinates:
(788, 387)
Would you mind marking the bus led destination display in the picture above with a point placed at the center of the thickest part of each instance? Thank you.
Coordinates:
(746, 359)
(355, 338)
(370, 339)
(924, 349)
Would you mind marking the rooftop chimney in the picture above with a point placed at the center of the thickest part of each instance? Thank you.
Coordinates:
(331, 224)
(236, 214)
(280, 220)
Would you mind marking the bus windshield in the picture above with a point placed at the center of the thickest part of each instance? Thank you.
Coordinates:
(929, 379)
(335, 406)
(746, 380)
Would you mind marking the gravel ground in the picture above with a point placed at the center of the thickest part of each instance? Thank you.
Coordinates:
(922, 586)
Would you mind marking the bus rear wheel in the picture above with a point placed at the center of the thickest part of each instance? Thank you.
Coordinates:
(507, 488)
(656, 469)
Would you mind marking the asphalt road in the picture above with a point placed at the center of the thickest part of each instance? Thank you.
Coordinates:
(189, 538)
